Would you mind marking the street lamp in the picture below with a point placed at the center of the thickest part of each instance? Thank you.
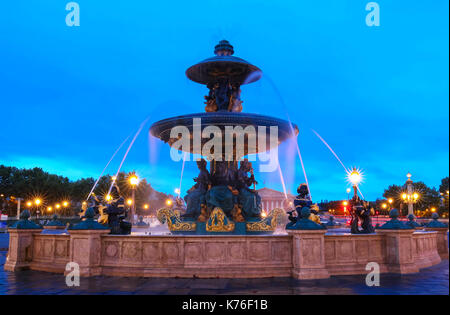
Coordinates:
(37, 202)
(354, 177)
(348, 192)
(345, 204)
(134, 181)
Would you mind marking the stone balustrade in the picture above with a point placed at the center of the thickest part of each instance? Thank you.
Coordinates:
(302, 254)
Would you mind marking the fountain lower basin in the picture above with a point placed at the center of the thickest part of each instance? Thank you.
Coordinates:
(302, 254)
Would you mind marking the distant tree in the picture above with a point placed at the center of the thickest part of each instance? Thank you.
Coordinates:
(444, 192)
(394, 192)
(429, 197)
(30, 184)
(81, 188)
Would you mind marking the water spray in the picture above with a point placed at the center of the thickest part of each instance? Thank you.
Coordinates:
(126, 153)
(277, 92)
(110, 160)
(182, 172)
(348, 171)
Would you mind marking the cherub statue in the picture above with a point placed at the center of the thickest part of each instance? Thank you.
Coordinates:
(235, 99)
(211, 105)
(361, 211)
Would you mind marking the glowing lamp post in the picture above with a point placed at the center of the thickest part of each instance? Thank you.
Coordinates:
(355, 177)
(134, 181)
(390, 200)
(38, 203)
(410, 197)
(348, 192)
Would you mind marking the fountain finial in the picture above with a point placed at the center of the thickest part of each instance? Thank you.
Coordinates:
(224, 48)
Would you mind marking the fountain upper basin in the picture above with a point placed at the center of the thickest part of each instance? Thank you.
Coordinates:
(162, 129)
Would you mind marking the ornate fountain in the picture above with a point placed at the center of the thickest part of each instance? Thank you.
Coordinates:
(224, 202)
(224, 199)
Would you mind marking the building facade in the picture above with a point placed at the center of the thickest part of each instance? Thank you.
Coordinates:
(271, 199)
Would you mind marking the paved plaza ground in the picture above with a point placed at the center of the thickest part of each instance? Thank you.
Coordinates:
(433, 280)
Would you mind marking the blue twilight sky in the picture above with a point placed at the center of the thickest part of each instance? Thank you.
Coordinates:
(378, 95)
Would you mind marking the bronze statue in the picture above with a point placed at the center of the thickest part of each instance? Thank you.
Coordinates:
(249, 200)
(360, 211)
(195, 198)
(117, 213)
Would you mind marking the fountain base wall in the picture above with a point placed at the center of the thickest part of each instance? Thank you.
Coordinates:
(300, 254)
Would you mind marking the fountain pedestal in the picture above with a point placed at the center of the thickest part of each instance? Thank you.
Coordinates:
(442, 240)
(85, 250)
(308, 254)
(399, 250)
(20, 251)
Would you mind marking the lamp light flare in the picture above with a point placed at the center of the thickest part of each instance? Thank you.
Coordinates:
(130, 202)
(355, 176)
(146, 206)
(134, 180)
(169, 202)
